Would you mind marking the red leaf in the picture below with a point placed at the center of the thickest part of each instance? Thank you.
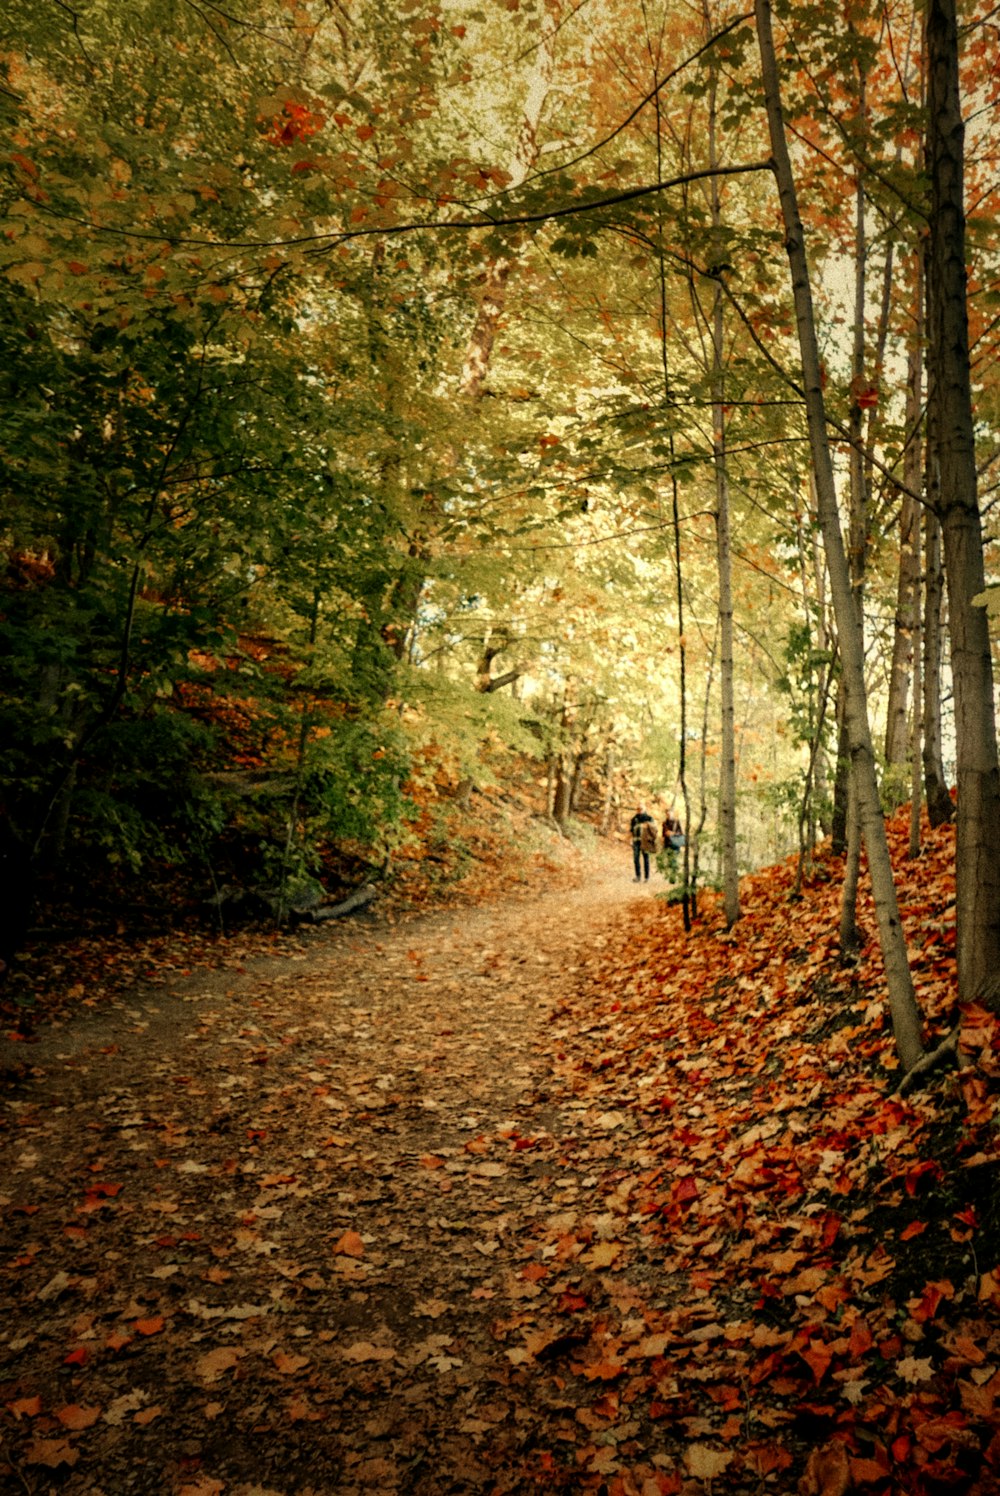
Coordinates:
(927, 1305)
(831, 1226)
(928, 1167)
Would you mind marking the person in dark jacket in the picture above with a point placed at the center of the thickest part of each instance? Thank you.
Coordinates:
(640, 856)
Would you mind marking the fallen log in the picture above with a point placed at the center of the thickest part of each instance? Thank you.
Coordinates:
(356, 900)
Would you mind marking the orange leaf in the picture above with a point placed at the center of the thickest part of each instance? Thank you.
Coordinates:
(766, 1458)
(350, 1245)
(867, 1472)
(26, 1407)
(149, 1326)
(73, 1416)
(51, 1452)
(827, 1472)
(818, 1357)
(927, 1305)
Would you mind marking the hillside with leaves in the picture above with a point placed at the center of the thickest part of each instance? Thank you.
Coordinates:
(563, 1199)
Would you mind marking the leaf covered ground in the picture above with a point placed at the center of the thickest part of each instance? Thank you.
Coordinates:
(540, 1196)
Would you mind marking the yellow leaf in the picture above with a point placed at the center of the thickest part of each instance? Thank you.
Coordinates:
(705, 1463)
(214, 1364)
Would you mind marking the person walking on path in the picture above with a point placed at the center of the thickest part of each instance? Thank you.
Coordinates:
(673, 840)
(642, 829)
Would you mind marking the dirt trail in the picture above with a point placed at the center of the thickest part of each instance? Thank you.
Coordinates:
(288, 1229)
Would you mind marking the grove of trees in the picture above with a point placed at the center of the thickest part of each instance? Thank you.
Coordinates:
(387, 390)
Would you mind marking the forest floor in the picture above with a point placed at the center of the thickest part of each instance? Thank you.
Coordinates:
(543, 1195)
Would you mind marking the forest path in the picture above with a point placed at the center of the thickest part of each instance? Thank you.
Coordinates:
(317, 1225)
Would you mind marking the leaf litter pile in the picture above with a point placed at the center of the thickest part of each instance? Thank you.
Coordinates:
(539, 1197)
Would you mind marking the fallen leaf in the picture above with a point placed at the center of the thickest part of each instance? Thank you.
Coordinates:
(350, 1245)
(604, 1254)
(149, 1326)
(116, 1411)
(75, 1417)
(827, 1471)
(214, 1364)
(868, 1472)
(431, 1308)
(364, 1350)
(706, 1463)
(56, 1285)
(51, 1452)
(26, 1407)
(914, 1370)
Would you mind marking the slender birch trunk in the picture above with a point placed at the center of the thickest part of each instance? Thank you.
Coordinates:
(723, 548)
(857, 553)
(902, 1002)
(915, 715)
(897, 734)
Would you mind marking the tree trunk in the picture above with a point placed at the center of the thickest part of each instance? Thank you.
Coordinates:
(609, 789)
(687, 902)
(977, 866)
(562, 795)
(902, 1003)
(857, 554)
(576, 779)
(851, 939)
(841, 776)
(727, 767)
(939, 804)
(915, 716)
(897, 734)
